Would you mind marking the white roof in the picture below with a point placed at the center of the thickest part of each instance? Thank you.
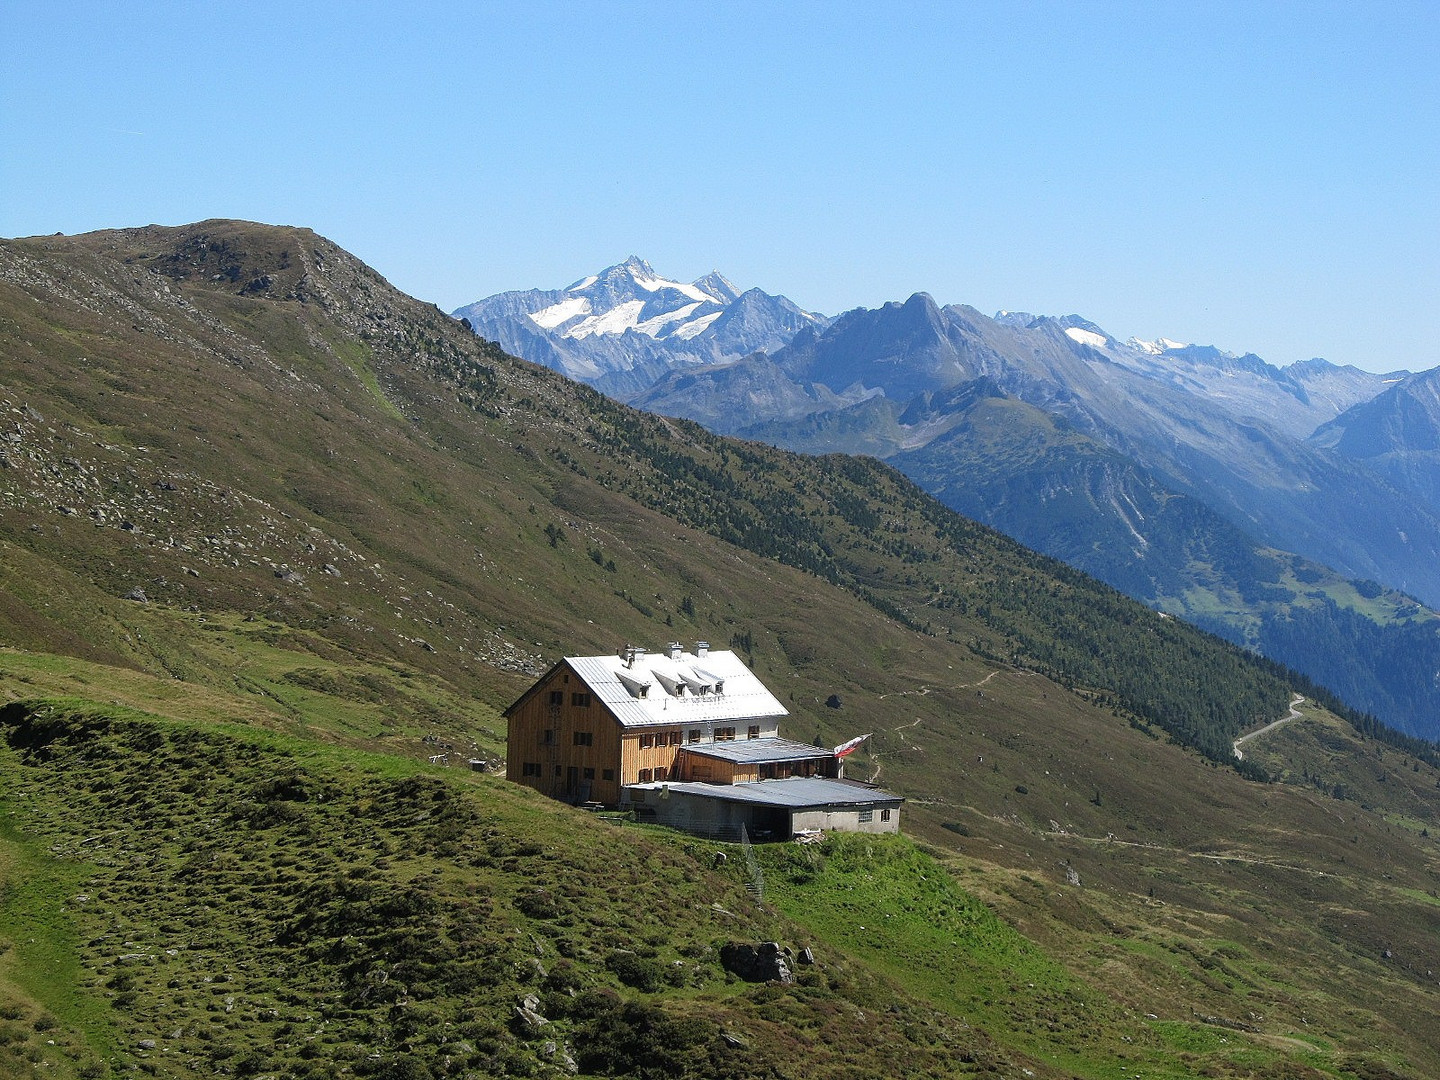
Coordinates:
(655, 689)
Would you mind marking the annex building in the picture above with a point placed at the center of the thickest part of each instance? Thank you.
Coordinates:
(686, 739)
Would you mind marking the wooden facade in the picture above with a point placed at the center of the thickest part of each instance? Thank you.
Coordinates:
(695, 764)
(565, 743)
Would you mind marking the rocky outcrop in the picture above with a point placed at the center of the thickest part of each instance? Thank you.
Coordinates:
(765, 962)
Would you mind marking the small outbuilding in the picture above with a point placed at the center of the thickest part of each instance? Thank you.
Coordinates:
(768, 809)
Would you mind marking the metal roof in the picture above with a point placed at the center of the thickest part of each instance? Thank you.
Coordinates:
(750, 751)
(657, 690)
(796, 793)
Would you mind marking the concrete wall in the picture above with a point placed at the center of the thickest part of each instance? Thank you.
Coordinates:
(721, 819)
(847, 819)
(716, 818)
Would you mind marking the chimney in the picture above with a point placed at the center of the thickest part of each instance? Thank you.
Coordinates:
(675, 650)
(702, 649)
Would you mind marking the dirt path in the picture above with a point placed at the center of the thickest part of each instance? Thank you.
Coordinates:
(923, 691)
(1294, 715)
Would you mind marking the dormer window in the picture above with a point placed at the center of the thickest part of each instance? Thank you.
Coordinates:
(637, 688)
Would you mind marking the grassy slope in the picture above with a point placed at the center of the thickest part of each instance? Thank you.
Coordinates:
(449, 591)
(258, 905)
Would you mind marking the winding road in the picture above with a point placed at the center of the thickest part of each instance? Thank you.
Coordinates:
(1294, 715)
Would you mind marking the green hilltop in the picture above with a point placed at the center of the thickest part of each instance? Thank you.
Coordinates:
(274, 536)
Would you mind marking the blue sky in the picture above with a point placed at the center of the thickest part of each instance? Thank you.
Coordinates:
(1261, 177)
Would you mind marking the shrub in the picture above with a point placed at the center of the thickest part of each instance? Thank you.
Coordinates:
(632, 970)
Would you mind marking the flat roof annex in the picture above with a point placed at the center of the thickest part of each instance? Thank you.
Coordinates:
(656, 690)
(752, 751)
(795, 793)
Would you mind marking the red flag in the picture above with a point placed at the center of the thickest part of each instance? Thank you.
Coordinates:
(849, 747)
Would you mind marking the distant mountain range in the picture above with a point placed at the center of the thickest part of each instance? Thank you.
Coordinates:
(625, 327)
(1260, 502)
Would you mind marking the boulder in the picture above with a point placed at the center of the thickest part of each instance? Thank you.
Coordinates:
(764, 962)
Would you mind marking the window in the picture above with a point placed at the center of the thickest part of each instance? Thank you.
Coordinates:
(700, 772)
(695, 736)
(644, 776)
(674, 738)
(530, 768)
(724, 734)
(548, 739)
(589, 774)
(584, 738)
(884, 815)
(557, 697)
(607, 774)
(867, 815)
(557, 770)
(647, 741)
(579, 700)
(753, 731)
(660, 774)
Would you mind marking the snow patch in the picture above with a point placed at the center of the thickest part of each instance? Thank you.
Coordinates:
(696, 327)
(583, 283)
(1085, 337)
(656, 284)
(1156, 347)
(564, 311)
(658, 323)
(617, 320)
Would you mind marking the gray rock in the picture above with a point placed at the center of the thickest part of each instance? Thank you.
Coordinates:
(529, 1019)
(756, 963)
(138, 595)
(561, 1054)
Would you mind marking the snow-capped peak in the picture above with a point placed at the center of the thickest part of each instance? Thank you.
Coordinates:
(636, 279)
(1156, 347)
(627, 322)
